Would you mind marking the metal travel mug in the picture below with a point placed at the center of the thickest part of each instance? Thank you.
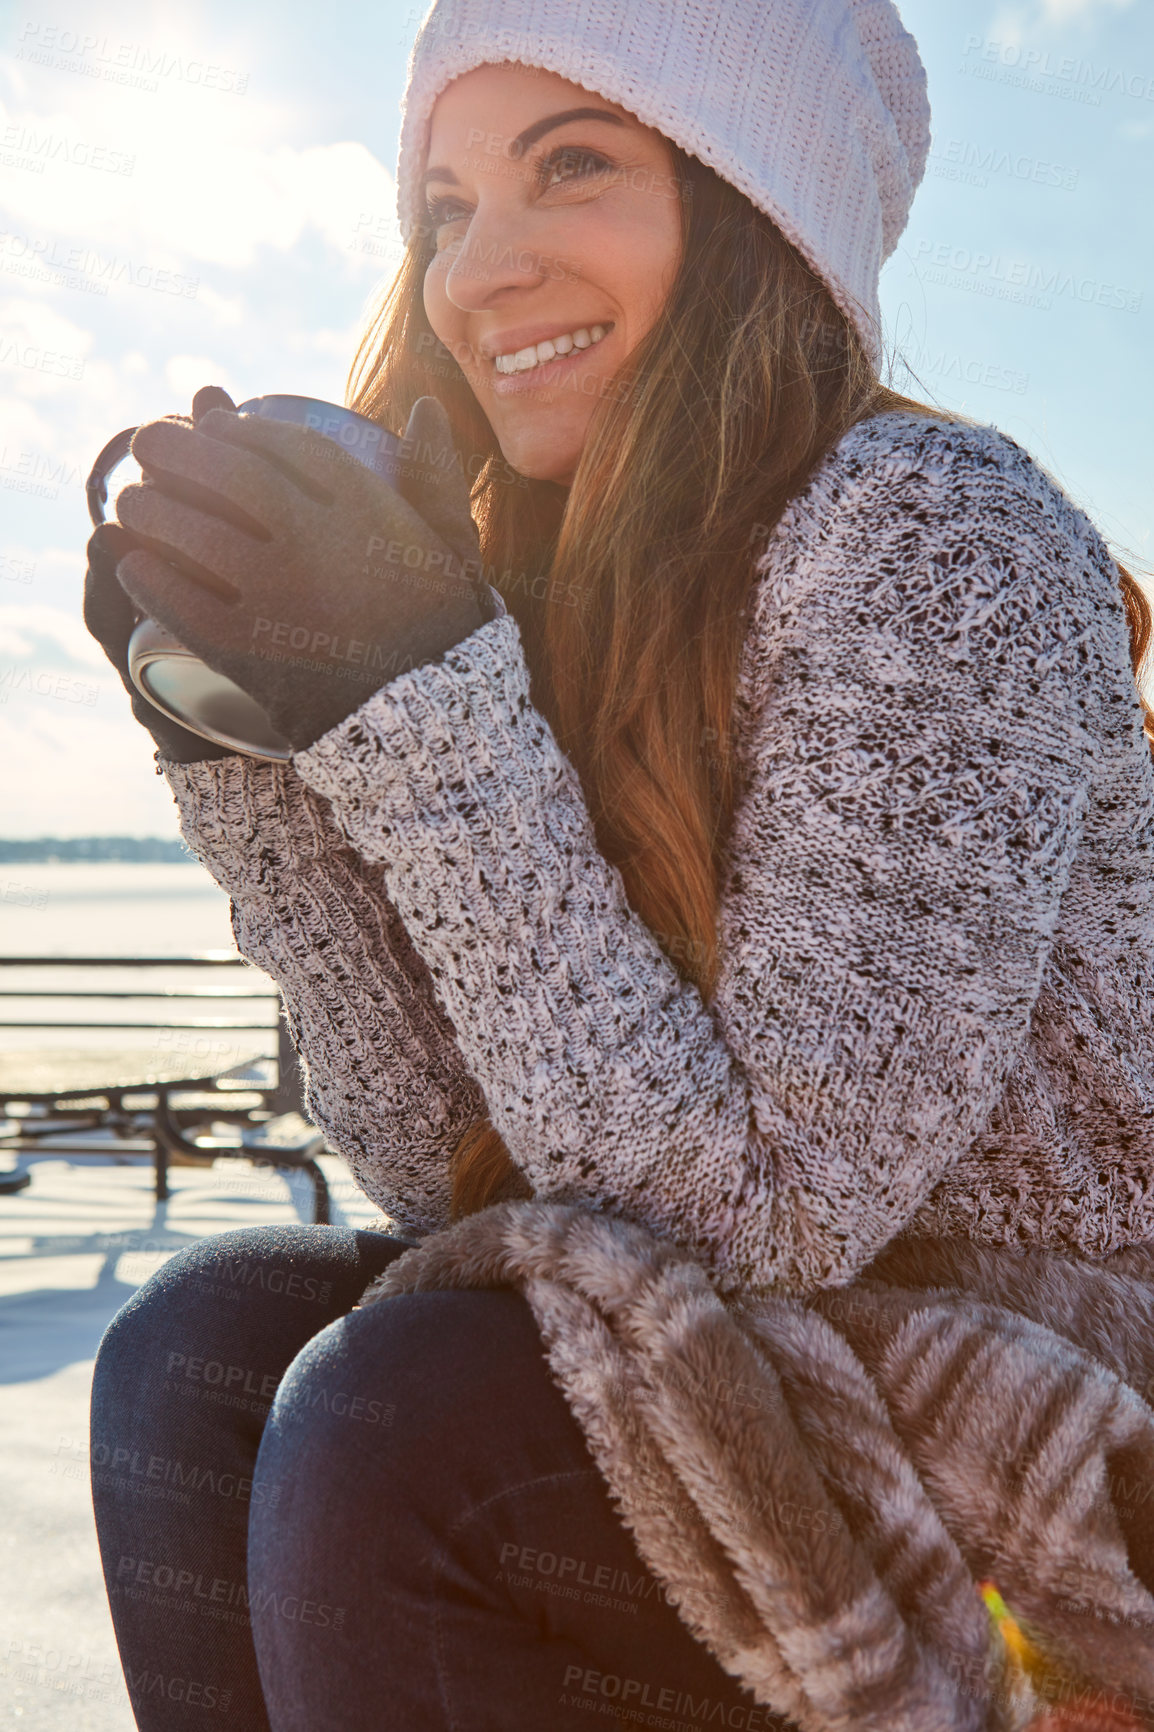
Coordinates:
(168, 674)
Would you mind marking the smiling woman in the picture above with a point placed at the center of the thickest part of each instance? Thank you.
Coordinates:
(582, 202)
(753, 874)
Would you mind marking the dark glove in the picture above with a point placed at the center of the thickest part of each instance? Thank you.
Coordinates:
(292, 569)
(110, 616)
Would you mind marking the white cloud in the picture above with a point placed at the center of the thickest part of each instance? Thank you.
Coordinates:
(57, 399)
(212, 190)
(72, 751)
(195, 195)
(1009, 25)
(77, 769)
(48, 638)
(185, 374)
(229, 311)
(32, 572)
(35, 338)
(1068, 11)
(1012, 22)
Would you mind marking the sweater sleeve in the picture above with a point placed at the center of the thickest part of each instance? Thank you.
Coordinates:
(384, 1077)
(916, 705)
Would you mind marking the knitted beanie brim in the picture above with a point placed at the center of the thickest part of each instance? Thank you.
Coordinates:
(816, 110)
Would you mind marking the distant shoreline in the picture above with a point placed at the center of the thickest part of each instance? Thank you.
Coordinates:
(130, 849)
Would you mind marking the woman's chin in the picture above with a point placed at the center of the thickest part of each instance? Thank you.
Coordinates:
(538, 463)
(558, 480)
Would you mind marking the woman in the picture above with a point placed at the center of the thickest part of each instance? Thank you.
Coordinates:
(805, 900)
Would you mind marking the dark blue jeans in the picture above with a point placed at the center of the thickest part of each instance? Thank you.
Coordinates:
(314, 1519)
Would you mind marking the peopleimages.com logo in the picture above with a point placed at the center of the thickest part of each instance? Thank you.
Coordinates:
(82, 266)
(25, 147)
(1019, 280)
(1068, 76)
(135, 64)
(965, 160)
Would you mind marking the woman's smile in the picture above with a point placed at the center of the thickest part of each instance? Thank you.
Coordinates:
(557, 241)
(537, 351)
(533, 367)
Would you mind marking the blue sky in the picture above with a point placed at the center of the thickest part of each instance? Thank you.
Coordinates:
(195, 194)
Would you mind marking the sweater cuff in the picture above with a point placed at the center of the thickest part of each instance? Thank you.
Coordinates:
(238, 812)
(398, 748)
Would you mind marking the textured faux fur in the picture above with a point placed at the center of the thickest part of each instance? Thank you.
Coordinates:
(820, 1484)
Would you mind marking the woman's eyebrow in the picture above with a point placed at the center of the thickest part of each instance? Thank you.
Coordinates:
(538, 129)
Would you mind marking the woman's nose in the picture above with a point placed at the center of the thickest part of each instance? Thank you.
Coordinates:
(494, 253)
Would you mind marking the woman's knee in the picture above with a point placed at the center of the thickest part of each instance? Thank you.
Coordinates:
(188, 1299)
(286, 1281)
(205, 1341)
(442, 1384)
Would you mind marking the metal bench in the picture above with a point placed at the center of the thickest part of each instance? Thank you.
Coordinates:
(160, 1099)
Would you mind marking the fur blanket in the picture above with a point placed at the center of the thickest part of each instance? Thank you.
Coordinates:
(821, 1484)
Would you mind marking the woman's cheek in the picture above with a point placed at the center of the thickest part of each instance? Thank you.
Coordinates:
(437, 306)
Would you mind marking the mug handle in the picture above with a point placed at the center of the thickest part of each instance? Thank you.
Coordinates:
(96, 487)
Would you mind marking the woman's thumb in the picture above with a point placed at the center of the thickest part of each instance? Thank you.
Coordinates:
(210, 397)
(432, 478)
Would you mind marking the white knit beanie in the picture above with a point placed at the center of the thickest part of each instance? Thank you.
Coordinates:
(816, 110)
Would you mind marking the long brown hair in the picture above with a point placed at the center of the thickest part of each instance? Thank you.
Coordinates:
(630, 589)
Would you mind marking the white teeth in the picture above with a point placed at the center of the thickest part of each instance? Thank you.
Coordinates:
(524, 360)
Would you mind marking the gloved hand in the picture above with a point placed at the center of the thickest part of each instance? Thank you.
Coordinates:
(289, 567)
(110, 616)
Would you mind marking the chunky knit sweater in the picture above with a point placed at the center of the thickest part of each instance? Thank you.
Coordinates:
(935, 1012)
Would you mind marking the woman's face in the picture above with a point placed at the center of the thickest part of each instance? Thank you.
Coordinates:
(552, 226)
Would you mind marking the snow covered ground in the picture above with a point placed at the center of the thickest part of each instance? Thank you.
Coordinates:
(73, 1246)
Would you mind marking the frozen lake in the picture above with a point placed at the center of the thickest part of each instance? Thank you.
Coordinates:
(77, 909)
(103, 908)
(76, 1244)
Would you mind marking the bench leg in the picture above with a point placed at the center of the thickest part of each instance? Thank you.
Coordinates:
(322, 1215)
(160, 1122)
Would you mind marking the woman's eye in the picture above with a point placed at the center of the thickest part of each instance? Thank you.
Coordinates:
(570, 163)
(573, 162)
(438, 211)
